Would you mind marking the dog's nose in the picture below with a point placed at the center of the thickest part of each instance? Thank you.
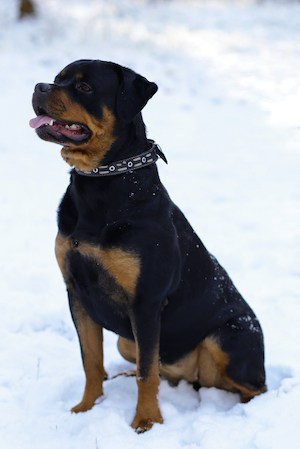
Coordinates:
(42, 87)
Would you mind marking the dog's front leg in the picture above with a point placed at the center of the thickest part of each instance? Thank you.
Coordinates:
(91, 345)
(146, 329)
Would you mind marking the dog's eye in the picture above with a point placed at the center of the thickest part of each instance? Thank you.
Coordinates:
(83, 87)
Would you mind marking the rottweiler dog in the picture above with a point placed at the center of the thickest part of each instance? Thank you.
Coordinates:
(130, 259)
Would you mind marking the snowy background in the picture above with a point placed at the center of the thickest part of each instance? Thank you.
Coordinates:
(227, 116)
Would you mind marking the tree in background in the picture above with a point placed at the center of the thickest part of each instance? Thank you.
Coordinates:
(26, 8)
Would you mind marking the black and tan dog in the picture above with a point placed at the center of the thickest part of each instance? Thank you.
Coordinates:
(130, 259)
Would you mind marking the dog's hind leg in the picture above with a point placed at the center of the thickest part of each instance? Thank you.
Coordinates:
(233, 359)
(127, 349)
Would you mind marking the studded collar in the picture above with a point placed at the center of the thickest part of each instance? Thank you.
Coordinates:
(127, 165)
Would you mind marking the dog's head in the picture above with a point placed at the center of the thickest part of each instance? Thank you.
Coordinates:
(86, 106)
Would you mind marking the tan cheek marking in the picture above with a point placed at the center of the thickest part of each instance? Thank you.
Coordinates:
(89, 155)
(123, 266)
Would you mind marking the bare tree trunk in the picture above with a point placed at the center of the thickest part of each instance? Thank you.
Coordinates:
(26, 8)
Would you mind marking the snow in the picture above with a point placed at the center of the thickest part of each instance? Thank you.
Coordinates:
(227, 117)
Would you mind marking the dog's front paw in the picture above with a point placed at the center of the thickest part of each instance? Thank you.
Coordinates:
(141, 424)
(83, 406)
(93, 393)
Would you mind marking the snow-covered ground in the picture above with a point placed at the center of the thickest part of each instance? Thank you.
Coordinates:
(227, 116)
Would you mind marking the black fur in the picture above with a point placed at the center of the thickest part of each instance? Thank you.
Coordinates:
(183, 294)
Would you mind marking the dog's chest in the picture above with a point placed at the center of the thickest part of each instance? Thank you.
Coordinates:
(103, 279)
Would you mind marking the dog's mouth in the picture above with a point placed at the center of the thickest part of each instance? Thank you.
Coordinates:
(63, 132)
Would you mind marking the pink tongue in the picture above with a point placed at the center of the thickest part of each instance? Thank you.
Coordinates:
(39, 121)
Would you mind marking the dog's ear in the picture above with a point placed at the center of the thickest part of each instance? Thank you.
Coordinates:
(134, 93)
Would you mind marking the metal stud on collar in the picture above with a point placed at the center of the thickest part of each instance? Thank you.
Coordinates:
(126, 165)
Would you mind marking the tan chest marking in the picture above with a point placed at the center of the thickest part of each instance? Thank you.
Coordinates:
(123, 266)
(62, 246)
